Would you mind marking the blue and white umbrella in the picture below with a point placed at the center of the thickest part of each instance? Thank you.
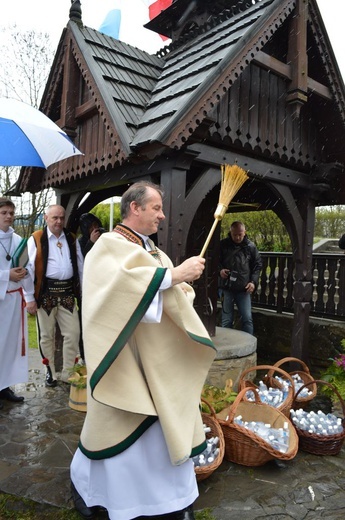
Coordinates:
(30, 138)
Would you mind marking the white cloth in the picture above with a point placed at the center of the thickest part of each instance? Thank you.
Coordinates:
(154, 312)
(13, 366)
(141, 481)
(70, 331)
(59, 266)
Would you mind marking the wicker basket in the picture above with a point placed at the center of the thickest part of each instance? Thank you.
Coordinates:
(306, 377)
(203, 472)
(245, 447)
(285, 406)
(317, 444)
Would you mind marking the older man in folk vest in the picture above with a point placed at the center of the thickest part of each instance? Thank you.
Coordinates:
(57, 263)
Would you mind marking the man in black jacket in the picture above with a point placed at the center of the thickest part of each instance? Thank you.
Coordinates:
(91, 229)
(239, 269)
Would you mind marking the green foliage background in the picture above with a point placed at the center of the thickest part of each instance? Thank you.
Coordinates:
(268, 232)
(264, 228)
(102, 211)
(335, 375)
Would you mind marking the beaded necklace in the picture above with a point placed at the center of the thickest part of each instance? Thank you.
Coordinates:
(8, 256)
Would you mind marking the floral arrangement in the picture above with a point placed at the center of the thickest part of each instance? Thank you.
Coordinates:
(335, 374)
(219, 398)
(78, 376)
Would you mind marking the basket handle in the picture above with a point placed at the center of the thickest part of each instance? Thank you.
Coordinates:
(295, 360)
(319, 381)
(212, 410)
(269, 368)
(238, 400)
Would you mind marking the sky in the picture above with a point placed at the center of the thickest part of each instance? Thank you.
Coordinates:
(51, 16)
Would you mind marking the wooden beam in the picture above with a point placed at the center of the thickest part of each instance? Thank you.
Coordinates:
(86, 110)
(317, 88)
(70, 93)
(297, 56)
(271, 64)
(265, 61)
(259, 169)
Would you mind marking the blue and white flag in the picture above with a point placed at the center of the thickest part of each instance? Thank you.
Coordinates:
(112, 22)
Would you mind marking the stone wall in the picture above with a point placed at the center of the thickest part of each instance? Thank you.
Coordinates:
(236, 351)
(273, 332)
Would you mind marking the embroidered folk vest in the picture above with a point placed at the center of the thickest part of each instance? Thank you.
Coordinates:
(42, 245)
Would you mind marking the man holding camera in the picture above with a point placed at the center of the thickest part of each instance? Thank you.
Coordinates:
(91, 229)
(239, 269)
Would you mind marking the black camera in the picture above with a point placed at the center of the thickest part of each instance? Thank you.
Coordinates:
(101, 230)
(233, 276)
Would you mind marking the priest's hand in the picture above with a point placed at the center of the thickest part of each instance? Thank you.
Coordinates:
(190, 270)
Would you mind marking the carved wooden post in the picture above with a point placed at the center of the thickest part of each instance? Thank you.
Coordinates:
(303, 284)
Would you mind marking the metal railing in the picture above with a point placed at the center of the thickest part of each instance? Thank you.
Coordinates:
(275, 290)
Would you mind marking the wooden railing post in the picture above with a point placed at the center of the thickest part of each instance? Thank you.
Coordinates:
(325, 294)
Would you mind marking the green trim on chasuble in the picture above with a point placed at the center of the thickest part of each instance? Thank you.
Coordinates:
(199, 449)
(106, 453)
(201, 339)
(130, 327)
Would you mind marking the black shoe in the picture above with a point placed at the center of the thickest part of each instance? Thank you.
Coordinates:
(184, 514)
(80, 505)
(50, 382)
(9, 395)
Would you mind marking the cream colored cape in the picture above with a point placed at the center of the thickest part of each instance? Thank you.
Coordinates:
(140, 372)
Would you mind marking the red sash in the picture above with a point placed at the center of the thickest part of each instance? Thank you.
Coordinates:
(20, 290)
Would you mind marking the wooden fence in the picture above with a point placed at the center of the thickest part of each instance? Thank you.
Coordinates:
(275, 290)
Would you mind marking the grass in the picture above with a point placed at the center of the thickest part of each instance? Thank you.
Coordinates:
(15, 508)
(32, 333)
(205, 514)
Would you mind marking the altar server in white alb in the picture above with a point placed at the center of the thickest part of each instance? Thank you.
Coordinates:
(14, 281)
(147, 355)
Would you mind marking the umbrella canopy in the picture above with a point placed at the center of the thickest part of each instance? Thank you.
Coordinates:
(30, 138)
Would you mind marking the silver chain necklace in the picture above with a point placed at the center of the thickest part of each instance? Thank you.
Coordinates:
(8, 256)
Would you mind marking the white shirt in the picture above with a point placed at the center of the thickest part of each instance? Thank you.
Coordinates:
(59, 265)
(154, 312)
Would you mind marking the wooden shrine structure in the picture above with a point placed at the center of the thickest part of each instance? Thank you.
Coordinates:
(252, 82)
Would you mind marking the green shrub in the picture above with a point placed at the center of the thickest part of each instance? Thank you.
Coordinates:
(335, 374)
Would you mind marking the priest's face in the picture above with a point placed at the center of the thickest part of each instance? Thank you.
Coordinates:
(151, 213)
(6, 217)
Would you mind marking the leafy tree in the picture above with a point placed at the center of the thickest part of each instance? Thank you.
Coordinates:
(330, 222)
(25, 62)
(264, 228)
(102, 211)
(268, 232)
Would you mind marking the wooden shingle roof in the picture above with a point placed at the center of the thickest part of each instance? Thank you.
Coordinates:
(158, 101)
(124, 76)
(197, 73)
(145, 105)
